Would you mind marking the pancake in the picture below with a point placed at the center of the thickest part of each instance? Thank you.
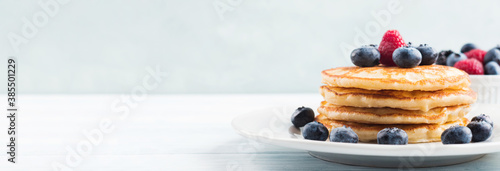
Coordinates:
(409, 100)
(425, 78)
(439, 115)
(417, 133)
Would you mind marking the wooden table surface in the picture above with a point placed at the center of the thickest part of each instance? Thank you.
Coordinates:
(160, 132)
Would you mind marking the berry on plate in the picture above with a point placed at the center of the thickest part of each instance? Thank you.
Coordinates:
(443, 55)
(407, 57)
(482, 117)
(467, 47)
(366, 56)
(394, 136)
(456, 135)
(492, 68)
(492, 55)
(343, 134)
(302, 116)
(390, 42)
(481, 130)
(454, 58)
(429, 55)
(470, 66)
(476, 54)
(315, 131)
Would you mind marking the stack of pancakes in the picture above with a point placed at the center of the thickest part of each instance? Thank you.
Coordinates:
(424, 101)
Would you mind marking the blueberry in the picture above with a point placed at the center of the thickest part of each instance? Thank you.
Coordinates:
(492, 55)
(481, 130)
(429, 55)
(467, 47)
(393, 136)
(454, 58)
(366, 56)
(343, 134)
(443, 55)
(492, 68)
(302, 116)
(406, 57)
(482, 117)
(456, 135)
(315, 131)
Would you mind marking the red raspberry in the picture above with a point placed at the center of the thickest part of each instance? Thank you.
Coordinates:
(476, 54)
(390, 42)
(470, 66)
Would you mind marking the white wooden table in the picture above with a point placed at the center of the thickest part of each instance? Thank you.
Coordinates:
(162, 132)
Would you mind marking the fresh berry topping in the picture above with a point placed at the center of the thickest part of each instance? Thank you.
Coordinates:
(476, 54)
(429, 55)
(456, 135)
(454, 58)
(467, 47)
(482, 117)
(302, 116)
(470, 66)
(390, 42)
(492, 55)
(443, 55)
(481, 131)
(492, 68)
(393, 136)
(343, 134)
(407, 57)
(315, 131)
(366, 56)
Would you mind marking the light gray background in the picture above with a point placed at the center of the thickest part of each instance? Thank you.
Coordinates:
(257, 46)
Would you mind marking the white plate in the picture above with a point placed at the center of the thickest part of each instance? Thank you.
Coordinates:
(273, 126)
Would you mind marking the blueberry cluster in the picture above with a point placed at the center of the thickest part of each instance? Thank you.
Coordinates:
(489, 60)
(312, 130)
(479, 129)
(304, 117)
(404, 57)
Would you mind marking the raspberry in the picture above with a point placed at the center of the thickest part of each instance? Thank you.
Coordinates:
(390, 42)
(471, 66)
(476, 54)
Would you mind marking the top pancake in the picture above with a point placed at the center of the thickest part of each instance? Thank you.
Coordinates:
(424, 78)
